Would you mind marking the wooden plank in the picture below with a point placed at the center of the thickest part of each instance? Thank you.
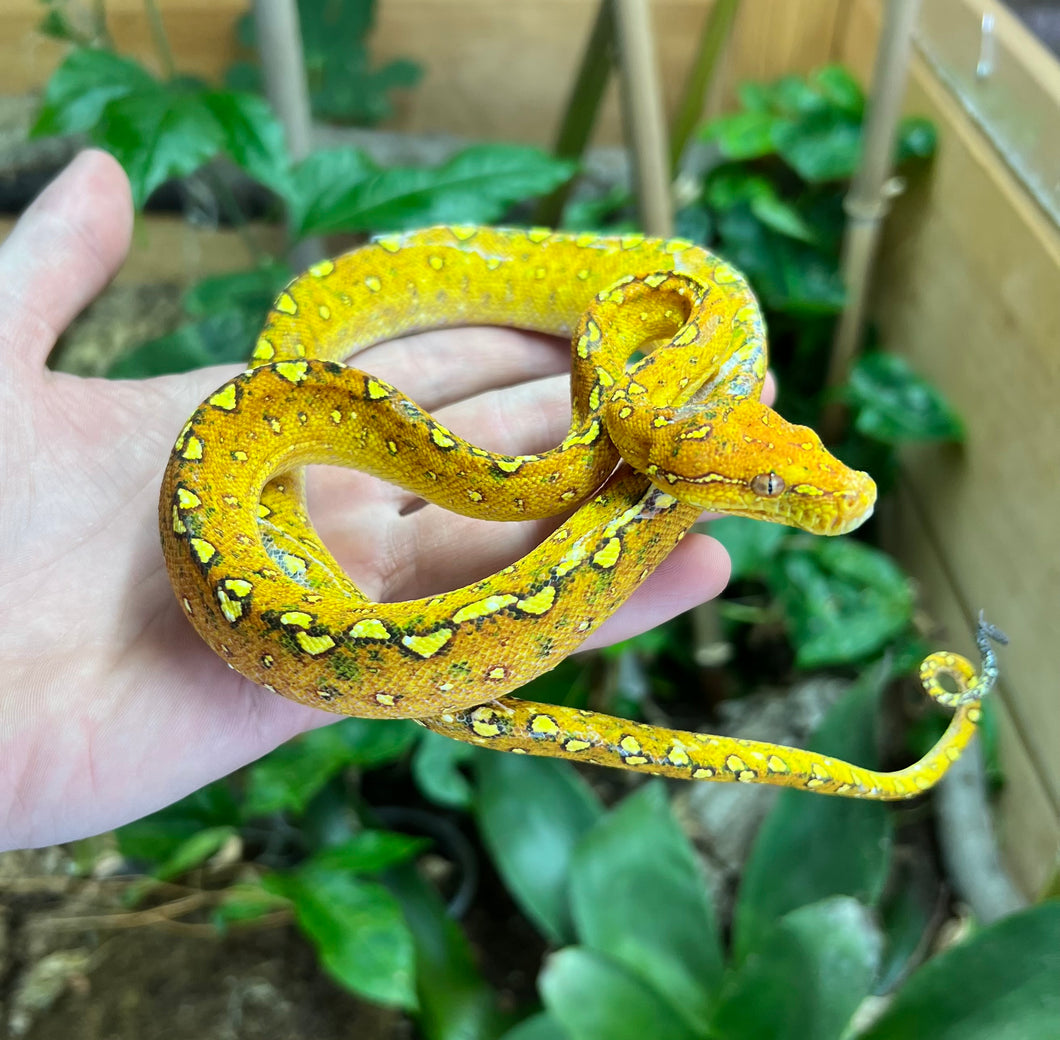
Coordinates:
(966, 289)
(494, 69)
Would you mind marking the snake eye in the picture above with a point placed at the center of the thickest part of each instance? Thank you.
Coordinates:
(768, 485)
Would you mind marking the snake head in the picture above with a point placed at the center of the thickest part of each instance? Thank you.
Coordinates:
(749, 461)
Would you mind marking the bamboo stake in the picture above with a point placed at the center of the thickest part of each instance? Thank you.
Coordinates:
(643, 111)
(868, 201)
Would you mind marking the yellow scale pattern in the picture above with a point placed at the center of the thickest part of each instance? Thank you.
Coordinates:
(259, 586)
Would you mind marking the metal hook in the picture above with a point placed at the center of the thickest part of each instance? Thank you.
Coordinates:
(987, 47)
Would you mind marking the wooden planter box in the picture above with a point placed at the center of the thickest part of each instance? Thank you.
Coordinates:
(968, 285)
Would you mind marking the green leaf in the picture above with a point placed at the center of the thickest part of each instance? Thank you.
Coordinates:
(811, 847)
(158, 134)
(782, 216)
(841, 89)
(538, 1027)
(436, 769)
(369, 852)
(796, 96)
(806, 977)
(531, 813)
(638, 896)
(82, 87)
(357, 928)
(287, 779)
(1001, 984)
(323, 179)
(894, 404)
(592, 998)
(455, 1002)
(743, 135)
(246, 901)
(475, 187)
(843, 600)
(253, 137)
(822, 146)
(193, 852)
(155, 838)
(751, 544)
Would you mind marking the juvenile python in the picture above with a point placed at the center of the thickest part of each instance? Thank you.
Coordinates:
(262, 590)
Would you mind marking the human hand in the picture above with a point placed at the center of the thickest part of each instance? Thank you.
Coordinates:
(110, 704)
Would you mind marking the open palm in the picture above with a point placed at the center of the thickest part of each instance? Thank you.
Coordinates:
(110, 706)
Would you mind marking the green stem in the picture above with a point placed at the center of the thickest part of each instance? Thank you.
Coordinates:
(716, 29)
(582, 108)
(161, 41)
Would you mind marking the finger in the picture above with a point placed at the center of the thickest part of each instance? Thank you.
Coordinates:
(66, 247)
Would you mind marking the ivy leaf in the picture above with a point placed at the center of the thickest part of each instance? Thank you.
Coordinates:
(322, 179)
(159, 134)
(193, 852)
(538, 1027)
(245, 901)
(917, 139)
(592, 997)
(894, 404)
(357, 928)
(156, 838)
(743, 135)
(475, 187)
(369, 852)
(822, 146)
(1000, 984)
(806, 978)
(637, 865)
(253, 136)
(811, 847)
(82, 87)
(840, 88)
(843, 600)
(531, 813)
(436, 769)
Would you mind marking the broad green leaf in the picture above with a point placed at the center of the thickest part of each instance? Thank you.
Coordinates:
(894, 404)
(805, 978)
(253, 136)
(193, 852)
(840, 88)
(782, 216)
(539, 1027)
(369, 852)
(155, 838)
(287, 779)
(812, 846)
(159, 134)
(822, 146)
(743, 135)
(751, 544)
(436, 769)
(905, 912)
(245, 901)
(843, 600)
(455, 1002)
(476, 186)
(1003, 983)
(592, 998)
(638, 896)
(796, 96)
(357, 928)
(532, 812)
(82, 87)
(323, 179)
(730, 184)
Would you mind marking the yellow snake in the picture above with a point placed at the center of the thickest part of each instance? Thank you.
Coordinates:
(262, 590)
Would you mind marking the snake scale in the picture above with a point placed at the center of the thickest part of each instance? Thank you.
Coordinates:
(668, 360)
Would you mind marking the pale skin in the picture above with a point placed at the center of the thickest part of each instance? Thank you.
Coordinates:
(110, 705)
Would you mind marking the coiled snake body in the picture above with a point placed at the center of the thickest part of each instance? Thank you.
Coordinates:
(260, 587)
